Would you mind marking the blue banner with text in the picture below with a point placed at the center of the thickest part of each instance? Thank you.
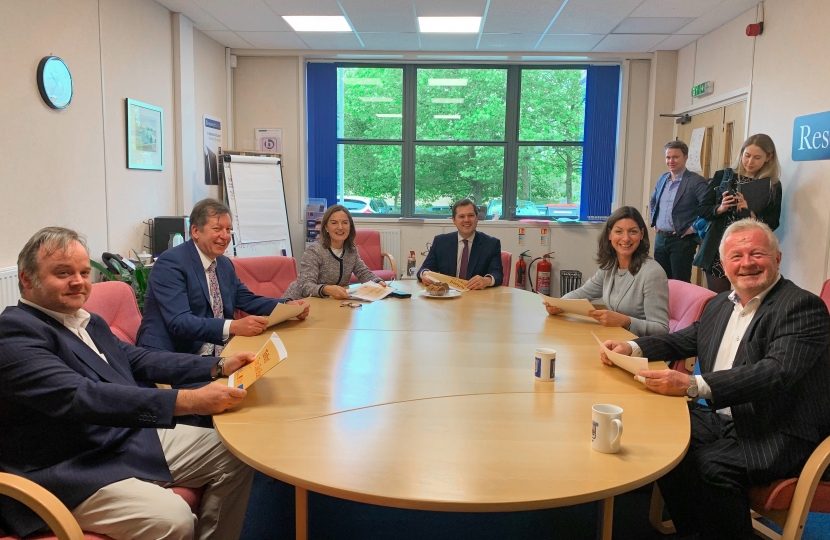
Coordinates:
(811, 137)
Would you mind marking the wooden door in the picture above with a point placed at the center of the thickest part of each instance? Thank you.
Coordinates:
(734, 124)
(712, 121)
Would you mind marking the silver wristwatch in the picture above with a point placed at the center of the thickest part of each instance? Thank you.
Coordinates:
(219, 369)
(691, 391)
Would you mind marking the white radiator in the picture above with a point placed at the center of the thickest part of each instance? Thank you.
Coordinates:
(390, 242)
(9, 292)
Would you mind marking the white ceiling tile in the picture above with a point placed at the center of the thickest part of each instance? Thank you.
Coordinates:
(453, 8)
(569, 42)
(448, 42)
(307, 7)
(628, 42)
(381, 15)
(201, 19)
(383, 41)
(331, 41)
(273, 40)
(520, 16)
(245, 15)
(720, 15)
(592, 16)
(652, 25)
(228, 39)
(674, 8)
(508, 42)
(675, 42)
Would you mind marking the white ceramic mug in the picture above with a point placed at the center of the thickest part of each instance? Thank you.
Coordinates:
(607, 428)
(545, 364)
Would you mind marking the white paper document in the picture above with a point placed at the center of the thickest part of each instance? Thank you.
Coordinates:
(632, 364)
(283, 312)
(370, 291)
(579, 306)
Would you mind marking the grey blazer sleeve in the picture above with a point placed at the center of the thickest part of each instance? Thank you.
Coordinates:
(308, 279)
(655, 299)
(590, 290)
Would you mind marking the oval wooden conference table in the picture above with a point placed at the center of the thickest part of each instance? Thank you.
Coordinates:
(431, 404)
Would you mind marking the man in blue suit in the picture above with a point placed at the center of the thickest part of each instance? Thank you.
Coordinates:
(673, 210)
(467, 254)
(193, 291)
(75, 420)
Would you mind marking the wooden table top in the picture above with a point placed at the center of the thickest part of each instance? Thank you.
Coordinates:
(431, 404)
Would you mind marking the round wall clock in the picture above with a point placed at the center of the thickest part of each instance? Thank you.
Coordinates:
(54, 82)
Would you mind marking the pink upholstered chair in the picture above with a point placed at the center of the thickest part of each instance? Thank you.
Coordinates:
(115, 302)
(266, 276)
(825, 293)
(506, 266)
(56, 515)
(686, 303)
(368, 246)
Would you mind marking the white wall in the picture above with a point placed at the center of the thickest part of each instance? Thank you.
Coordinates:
(68, 167)
(790, 74)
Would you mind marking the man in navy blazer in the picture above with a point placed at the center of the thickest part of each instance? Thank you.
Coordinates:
(482, 263)
(75, 420)
(765, 374)
(180, 313)
(673, 211)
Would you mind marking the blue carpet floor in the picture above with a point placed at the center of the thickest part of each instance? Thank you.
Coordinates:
(271, 517)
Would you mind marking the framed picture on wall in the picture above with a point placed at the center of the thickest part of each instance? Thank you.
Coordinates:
(145, 136)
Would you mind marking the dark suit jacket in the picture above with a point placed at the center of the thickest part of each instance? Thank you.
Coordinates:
(485, 257)
(177, 312)
(74, 423)
(689, 195)
(779, 386)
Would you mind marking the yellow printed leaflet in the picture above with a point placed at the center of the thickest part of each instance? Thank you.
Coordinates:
(271, 354)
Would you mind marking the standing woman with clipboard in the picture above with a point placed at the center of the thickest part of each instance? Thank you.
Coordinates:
(752, 189)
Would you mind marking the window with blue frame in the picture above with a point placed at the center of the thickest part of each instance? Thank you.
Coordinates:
(409, 140)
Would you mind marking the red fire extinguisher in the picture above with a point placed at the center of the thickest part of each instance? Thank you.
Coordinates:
(543, 272)
(521, 271)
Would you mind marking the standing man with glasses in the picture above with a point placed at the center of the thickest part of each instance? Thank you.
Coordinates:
(193, 291)
(467, 254)
(673, 211)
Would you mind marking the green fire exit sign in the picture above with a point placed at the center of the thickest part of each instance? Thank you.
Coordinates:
(703, 89)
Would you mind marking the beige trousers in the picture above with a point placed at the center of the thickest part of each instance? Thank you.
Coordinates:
(134, 509)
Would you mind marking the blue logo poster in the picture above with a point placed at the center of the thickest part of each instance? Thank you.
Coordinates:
(811, 137)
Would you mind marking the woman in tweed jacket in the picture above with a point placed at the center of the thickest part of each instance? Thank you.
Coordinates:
(327, 266)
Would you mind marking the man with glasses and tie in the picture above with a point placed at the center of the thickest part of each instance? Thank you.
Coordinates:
(467, 254)
(193, 291)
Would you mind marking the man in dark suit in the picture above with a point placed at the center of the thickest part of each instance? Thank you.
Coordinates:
(193, 291)
(765, 373)
(673, 211)
(76, 422)
(466, 254)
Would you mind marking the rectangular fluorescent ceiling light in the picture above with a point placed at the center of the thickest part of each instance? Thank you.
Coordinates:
(358, 81)
(447, 82)
(447, 117)
(447, 100)
(392, 115)
(314, 23)
(449, 25)
(374, 99)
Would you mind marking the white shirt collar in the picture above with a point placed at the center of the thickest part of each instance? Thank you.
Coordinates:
(760, 296)
(79, 319)
(205, 260)
(461, 239)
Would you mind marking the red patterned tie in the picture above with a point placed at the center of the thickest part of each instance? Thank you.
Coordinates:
(465, 259)
(215, 300)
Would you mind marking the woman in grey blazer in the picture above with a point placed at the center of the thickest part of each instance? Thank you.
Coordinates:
(633, 286)
(327, 265)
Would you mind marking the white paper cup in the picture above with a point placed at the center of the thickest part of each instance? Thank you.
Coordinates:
(607, 429)
(544, 365)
